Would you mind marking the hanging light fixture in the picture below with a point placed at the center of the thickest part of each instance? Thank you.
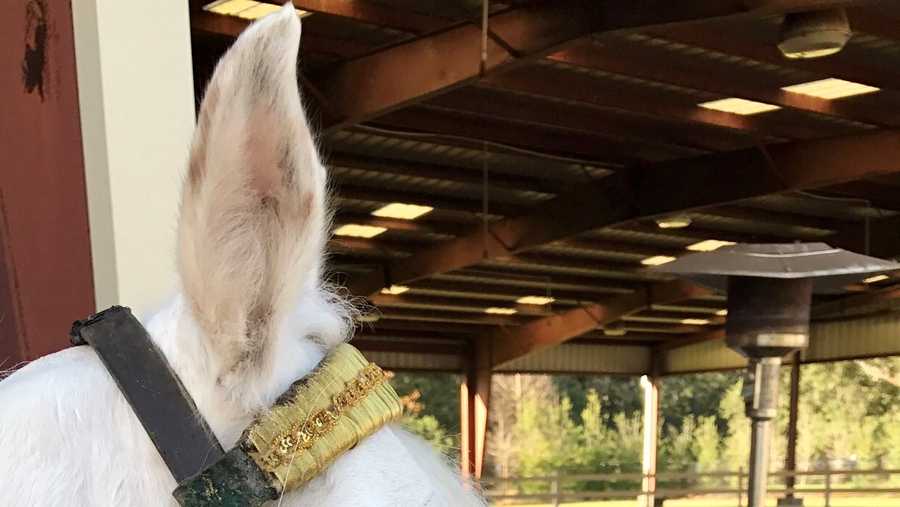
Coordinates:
(814, 34)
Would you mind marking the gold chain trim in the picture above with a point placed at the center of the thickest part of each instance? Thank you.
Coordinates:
(301, 436)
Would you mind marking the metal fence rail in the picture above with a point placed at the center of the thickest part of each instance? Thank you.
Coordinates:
(557, 488)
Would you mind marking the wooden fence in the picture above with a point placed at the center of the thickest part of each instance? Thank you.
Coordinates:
(558, 489)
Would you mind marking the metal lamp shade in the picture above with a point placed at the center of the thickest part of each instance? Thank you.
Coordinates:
(831, 269)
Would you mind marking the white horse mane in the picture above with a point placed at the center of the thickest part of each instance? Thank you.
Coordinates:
(252, 316)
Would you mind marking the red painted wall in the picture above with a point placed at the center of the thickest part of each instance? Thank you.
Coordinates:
(45, 267)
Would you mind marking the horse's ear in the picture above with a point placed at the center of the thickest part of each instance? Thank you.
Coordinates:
(253, 218)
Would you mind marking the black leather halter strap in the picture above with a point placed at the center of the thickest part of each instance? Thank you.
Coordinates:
(206, 475)
(164, 407)
(318, 418)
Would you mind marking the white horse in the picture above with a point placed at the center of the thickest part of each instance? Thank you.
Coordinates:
(252, 315)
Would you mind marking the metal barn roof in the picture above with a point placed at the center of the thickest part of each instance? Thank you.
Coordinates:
(548, 166)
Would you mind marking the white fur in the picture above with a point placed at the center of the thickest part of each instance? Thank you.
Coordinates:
(251, 318)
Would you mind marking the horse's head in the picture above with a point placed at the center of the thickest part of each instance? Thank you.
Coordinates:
(254, 221)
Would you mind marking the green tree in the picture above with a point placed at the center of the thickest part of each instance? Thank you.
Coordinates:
(428, 427)
(439, 395)
(619, 395)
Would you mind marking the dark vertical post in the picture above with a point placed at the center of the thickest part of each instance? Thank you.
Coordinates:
(474, 399)
(790, 459)
(45, 258)
(467, 423)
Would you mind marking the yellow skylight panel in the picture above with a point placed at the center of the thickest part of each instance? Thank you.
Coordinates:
(494, 310)
(395, 290)
(675, 222)
(831, 88)
(694, 322)
(657, 260)
(359, 231)
(535, 300)
(230, 7)
(709, 245)
(739, 106)
(246, 9)
(876, 279)
(257, 11)
(402, 211)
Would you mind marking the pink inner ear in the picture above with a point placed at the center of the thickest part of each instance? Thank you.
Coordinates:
(264, 150)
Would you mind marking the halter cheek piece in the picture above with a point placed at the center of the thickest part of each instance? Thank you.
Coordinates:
(317, 419)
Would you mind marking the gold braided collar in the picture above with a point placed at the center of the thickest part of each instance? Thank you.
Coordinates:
(320, 417)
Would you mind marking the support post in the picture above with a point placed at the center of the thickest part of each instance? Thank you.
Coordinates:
(474, 399)
(790, 460)
(136, 96)
(761, 395)
(650, 387)
(554, 488)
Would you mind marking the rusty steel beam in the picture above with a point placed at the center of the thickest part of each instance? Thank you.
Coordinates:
(626, 196)
(510, 343)
(457, 330)
(371, 13)
(448, 304)
(750, 42)
(783, 219)
(509, 275)
(706, 335)
(443, 202)
(410, 336)
(613, 249)
(597, 149)
(375, 344)
(552, 265)
(370, 86)
(562, 83)
(452, 317)
(873, 193)
(881, 20)
(582, 116)
(642, 61)
(230, 26)
(491, 103)
(878, 238)
(874, 301)
(490, 290)
(497, 180)
(420, 226)
(699, 232)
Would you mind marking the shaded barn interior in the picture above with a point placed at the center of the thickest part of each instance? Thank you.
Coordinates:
(553, 165)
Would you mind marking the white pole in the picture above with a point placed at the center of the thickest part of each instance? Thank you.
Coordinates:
(650, 430)
(136, 100)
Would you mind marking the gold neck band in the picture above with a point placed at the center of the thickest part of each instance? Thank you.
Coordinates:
(320, 417)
